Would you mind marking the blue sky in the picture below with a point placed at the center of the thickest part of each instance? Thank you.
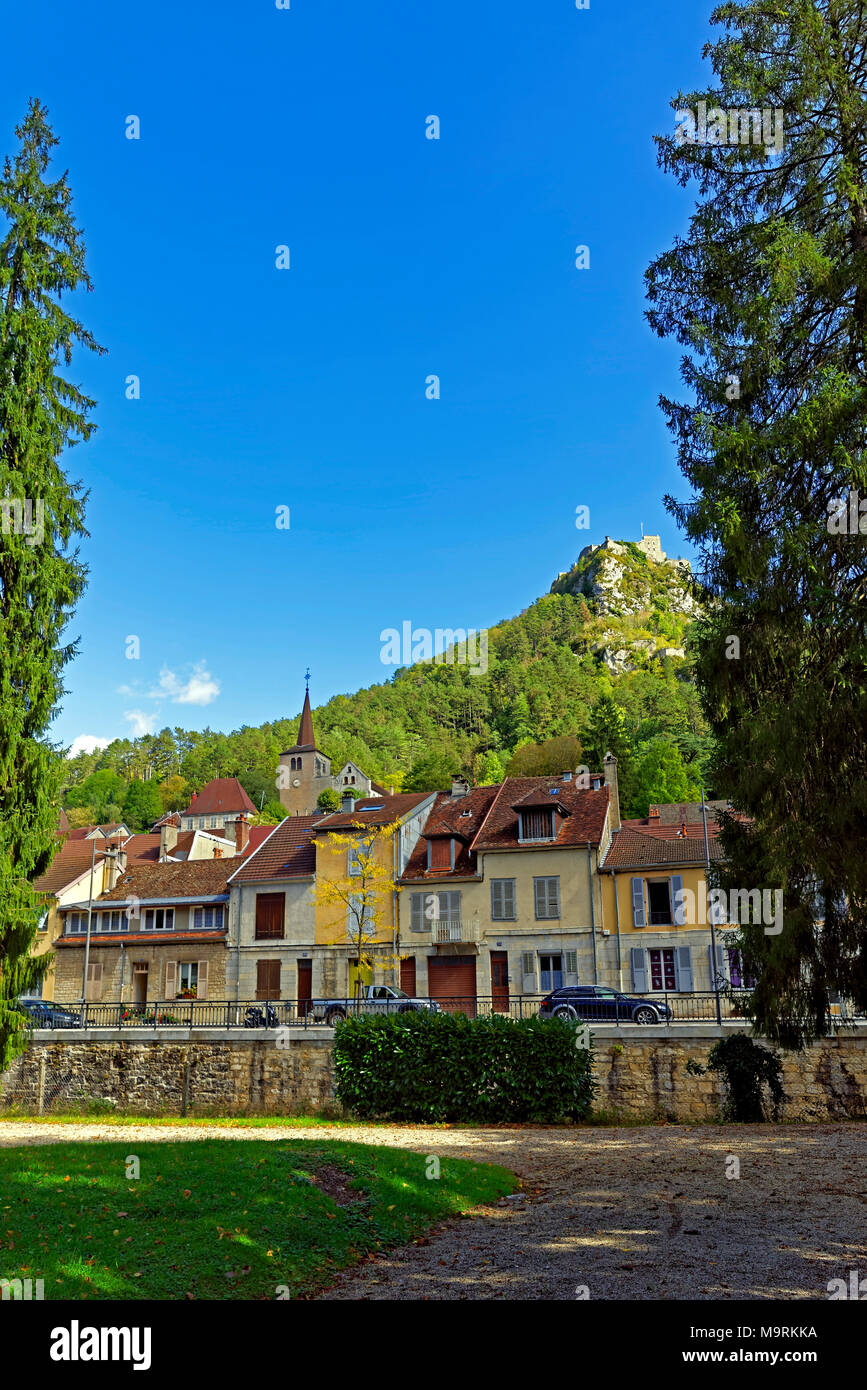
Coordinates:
(306, 388)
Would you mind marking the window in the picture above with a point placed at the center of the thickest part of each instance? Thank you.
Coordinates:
(43, 922)
(546, 893)
(536, 825)
(528, 969)
(159, 919)
(659, 902)
(269, 915)
(354, 867)
(213, 822)
(550, 972)
(736, 972)
(503, 900)
(441, 854)
(208, 918)
(662, 969)
(188, 975)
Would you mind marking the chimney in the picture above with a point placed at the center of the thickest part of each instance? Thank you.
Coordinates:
(111, 870)
(168, 838)
(653, 813)
(460, 787)
(609, 768)
(242, 835)
(347, 802)
(682, 831)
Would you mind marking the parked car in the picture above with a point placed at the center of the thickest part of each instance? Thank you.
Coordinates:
(374, 999)
(43, 1014)
(595, 1002)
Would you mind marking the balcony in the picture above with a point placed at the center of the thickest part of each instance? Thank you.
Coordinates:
(446, 930)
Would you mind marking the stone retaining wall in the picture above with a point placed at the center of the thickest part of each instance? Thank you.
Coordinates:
(640, 1074)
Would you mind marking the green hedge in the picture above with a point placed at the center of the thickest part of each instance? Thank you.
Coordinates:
(424, 1066)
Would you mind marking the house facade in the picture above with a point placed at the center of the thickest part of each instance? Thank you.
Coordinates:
(653, 868)
(501, 897)
(217, 806)
(157, 932)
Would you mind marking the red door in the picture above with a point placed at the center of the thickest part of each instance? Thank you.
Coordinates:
(407, 974)
(452, 981)
(500, 981)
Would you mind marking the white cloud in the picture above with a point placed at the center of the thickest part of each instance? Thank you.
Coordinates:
(199, 689)
(86, 743)
(141, 722)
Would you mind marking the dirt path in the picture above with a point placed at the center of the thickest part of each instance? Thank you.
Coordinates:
(644, 1213)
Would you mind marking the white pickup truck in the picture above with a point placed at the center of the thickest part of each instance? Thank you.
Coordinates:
(374, 999)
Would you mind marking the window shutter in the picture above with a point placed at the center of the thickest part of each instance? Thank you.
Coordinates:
(528, 969)
(553, 897)
(678, 904)
(497, 899)
(716, 911)
(571, 962)
(171, 976)
(683, 956)
(539, 893)
(639, 967)
(509, 911)
(202, 981)
(639, 918)
(94, 981)
(417, 918)
(720, 967)
(450, 906)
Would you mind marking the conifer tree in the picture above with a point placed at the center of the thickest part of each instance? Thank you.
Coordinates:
(41, 577)
(767, 293)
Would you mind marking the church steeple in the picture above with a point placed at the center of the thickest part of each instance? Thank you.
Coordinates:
(306, 736)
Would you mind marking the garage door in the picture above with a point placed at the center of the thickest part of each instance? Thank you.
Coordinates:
(452, 981)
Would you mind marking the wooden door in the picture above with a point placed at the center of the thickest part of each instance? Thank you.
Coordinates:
(267, 979)
(305, 986)
(407, 974)
(500, 981)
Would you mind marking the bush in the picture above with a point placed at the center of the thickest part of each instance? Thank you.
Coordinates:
(747, 1067)
(435, 1067)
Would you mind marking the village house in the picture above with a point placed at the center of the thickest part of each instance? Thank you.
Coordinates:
(501, 896)
(649, 864)
(158, 932)
(216, 806)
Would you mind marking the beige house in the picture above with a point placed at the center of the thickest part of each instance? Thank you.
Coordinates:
(75, 874)
(157, 932)
(501, 897)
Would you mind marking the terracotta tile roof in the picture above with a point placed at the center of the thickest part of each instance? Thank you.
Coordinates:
(287, 852)
(80, 832)
(190, 879)
(141, 849)
(448, 818)
(384, 809)
(639, 847)
(673, 813)
(258, 836)
(149, 938)
(585, 822)
(220, 796)
(68, 864)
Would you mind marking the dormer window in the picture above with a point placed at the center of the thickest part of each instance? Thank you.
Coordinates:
(537, 824)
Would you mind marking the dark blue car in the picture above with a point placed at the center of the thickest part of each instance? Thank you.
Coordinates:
(43, 1014)
(602, 1005)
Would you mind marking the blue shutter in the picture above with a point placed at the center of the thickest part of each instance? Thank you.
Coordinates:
(639, 968)
(678, 906)
(683, 958)
(638, 915)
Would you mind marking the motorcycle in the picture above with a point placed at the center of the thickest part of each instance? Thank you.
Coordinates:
(256, 1018)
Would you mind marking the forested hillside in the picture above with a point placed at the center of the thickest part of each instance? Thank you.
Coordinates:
(583, 661)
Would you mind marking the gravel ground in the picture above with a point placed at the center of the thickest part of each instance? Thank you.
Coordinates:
(639, 1213)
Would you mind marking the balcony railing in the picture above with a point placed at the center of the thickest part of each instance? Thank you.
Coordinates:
(444, 930)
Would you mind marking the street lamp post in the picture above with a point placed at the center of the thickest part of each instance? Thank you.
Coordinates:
(712, 925)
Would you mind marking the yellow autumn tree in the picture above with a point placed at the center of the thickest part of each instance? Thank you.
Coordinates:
(359, 878)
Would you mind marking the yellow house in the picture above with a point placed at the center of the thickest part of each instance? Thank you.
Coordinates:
(356, 929)
(655, 904)
(501, 900)
(68, 880)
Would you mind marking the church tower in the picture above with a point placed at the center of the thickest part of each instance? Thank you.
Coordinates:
(304, 770)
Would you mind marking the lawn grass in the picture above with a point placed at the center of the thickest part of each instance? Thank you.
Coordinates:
(217, 1219)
